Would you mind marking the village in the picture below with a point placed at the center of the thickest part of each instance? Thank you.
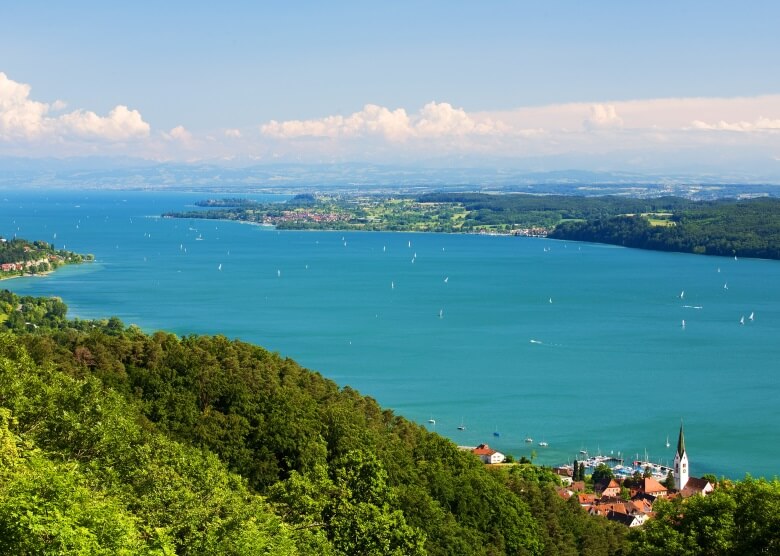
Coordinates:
(19, 257)
(611, 492)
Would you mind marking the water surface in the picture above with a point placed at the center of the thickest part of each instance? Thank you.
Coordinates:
(579, 345)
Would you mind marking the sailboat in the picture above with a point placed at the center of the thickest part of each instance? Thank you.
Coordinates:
(496, 433)
(529, 439)
(219, 267)
(667, 441)
(683, 323)
(752, 315)
(543, 444)
(461, 427)
(432, 421)
(742, 319)
(682, 294)
(441, 313)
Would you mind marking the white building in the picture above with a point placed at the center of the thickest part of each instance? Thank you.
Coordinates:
(488, 455)
(680, 463)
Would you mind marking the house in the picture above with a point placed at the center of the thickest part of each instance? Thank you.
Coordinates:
(585, 499)
(577, 486)
(625, 519)
(696, 486)
(608, 490)
(564, 474)
(487, 454)
(652, 487)
(639, 506)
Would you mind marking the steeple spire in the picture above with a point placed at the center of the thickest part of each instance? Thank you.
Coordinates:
(681, 441)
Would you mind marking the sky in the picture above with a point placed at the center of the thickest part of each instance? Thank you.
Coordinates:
(601, 85)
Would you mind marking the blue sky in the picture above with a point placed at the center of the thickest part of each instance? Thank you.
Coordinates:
(394, 81)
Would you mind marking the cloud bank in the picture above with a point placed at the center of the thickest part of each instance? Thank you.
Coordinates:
(650, 133)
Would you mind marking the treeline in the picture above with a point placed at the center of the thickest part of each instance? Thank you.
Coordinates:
(747, 228)
(547, 211)
(19, 250)
(116, 441)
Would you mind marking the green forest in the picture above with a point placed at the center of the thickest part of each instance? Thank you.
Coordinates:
(749, 228)
(117, 441)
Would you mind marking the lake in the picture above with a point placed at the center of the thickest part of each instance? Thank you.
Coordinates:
(578, 345)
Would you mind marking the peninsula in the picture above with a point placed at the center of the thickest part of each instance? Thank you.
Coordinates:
(724, 227)
(20, 257)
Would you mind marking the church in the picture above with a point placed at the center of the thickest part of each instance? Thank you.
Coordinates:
(683, 482)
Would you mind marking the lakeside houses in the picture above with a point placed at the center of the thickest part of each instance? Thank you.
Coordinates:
(484, 452)
(306, 216)
(606, 500)
(27, 266)
(530, 232)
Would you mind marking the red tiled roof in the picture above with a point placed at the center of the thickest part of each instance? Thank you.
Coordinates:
(650, 486)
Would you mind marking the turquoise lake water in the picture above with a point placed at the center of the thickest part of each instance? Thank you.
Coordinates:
(579, 345)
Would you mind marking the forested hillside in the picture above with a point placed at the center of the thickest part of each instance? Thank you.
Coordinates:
(113, 441)
(748, 228)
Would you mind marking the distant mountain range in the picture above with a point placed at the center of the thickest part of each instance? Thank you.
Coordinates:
(131, 173)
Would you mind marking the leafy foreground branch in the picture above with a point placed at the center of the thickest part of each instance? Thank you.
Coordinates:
(113, 441)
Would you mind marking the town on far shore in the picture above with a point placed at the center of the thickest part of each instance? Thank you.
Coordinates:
(20, 257)
(624, 494)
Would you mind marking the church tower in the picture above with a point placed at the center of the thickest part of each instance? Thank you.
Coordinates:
(680, 462)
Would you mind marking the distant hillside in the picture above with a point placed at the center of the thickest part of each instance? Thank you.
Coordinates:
(749, 228)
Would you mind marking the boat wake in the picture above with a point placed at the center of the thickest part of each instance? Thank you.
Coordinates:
(536, 341)
(693, 307)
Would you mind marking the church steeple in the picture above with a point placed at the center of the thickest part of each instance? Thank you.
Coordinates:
(681, 441)
(680, 462)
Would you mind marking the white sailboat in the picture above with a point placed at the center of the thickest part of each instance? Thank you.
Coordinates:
(752, 315)
(667, 441)
(461, 427)
(219, 267)
(683, 323)
(441, 313)
(529, 439)
(543, 444)
(682, 294)
(742, 319)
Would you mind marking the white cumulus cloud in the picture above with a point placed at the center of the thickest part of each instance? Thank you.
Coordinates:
(602, 116)
(20, 117)
(372, 120)
(120, 124)
(24, 118)
(180, 133)
(433, 120)
(233, 133)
